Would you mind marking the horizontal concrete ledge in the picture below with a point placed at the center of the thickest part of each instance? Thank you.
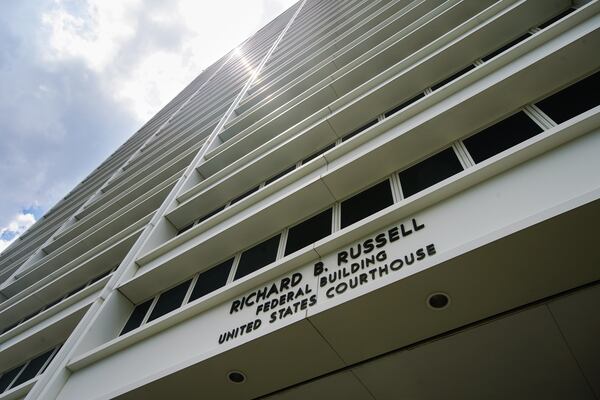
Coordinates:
(455, 271)
(169, 265)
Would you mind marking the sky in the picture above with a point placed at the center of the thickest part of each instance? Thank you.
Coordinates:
(78, 77)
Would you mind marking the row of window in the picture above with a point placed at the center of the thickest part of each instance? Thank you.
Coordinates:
(484, 144)
(60, 299)
(256, 188)
(387, 114)
(305, 233)
(398, 108)
(27, 371)
(488, 142)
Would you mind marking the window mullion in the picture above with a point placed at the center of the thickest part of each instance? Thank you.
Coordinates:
(396, 188)
(282, 243)
(188, 294)
(463, 155)
(540, 117)
(18, 375)
(48, 361)
(337, 217)
(234, 267)
(532, 114)
(150, 309)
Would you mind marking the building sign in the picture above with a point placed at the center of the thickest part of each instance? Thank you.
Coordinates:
(375, 257)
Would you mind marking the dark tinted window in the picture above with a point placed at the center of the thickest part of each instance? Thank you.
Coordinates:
(279, 175)
(55, 302)
(102, 275)
(33, 368)
(44, 367)
(309, 231)
(169, 300)
(404, 105)
(501, 136)
(211, 280)
(137, 316)
(27, 318)
(12, 326)
(79, 289)
(506, 47)
(573, 100)
(186, 228)
(556, 18)
(318, 153)
(453, 77)
(8, 377)
(359, 130)
(429, 172)
(367, 202)
(257, 257)
(248, 193)
(210, 214)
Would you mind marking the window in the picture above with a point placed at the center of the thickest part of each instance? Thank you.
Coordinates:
(359, 130)
(279, 175)
(506, 47)
(367, 202)
(79, 289)
(318, 153)
(210, 214)
(429, 172)
(573, 100)
(501, 136)
(10, 327)
(99, 277)
(404, 105)
(211, 280)
(27, 318)
(26, 371)
(169, 300)
(556, 18)
(14, 325)
(137, 316)
(203, 218)
(257, 257)
(453, 77)
(309, 231)
(55, 302)
(33, 367)
(186, 228)
(8, 377)
(248, 193)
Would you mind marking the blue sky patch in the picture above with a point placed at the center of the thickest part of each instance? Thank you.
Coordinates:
(8, 235)
(37, 211)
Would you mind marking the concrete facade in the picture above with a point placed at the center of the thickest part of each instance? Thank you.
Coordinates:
(367, 199)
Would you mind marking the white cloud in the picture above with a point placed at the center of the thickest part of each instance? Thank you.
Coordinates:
(120, 41)
(80, 76)
(91, 32)
(15, 228)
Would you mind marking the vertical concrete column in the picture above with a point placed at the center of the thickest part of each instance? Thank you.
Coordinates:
(50, 383)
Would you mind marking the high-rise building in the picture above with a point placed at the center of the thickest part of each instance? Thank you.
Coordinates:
(367, 199)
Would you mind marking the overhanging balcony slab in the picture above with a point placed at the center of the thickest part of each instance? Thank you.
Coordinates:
(180, 258)
(492, 275)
